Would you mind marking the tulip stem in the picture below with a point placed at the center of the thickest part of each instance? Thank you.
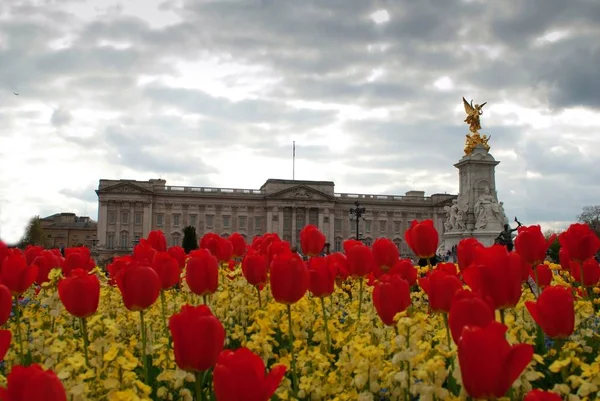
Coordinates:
(537, 282)
(86, 341)
(199, 386)
(259, 297)
(502, 317)
(445, 315)
(326, 325)
(19, 338)
(144, 340)
(360, 298)
(205, 299)
(291, 335)
(584, 290)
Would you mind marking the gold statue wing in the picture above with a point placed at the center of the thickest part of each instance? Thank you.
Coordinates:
(468, 108)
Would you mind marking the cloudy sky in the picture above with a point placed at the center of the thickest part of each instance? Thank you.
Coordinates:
(212, 93)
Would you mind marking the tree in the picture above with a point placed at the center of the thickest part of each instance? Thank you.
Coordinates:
(34, 233)
(591, 216)
(190, 239)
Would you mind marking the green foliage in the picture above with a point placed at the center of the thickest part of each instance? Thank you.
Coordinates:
(190, 239)
(34, 234)
(591, 216)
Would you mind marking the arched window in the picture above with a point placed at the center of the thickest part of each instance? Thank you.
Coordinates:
(398, 242)
(124, 240)
(175, 239)
(337, 244)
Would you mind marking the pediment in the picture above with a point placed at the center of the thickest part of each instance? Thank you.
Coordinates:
(125, 187)
(301, 192)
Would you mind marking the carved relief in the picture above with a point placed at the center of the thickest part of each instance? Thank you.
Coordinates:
(301, 193)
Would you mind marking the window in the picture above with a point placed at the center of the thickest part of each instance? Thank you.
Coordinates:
(138, 219)
(337, 223)
(175, 239)
(397, 226)
(176, 219)
(160, 219)
(287, 221)
(124, 240)
(110, 240)
(368, 226)
(337, 246)
(124, 217)
(242, 222)
(258, 223)
(398, 242)
(368, 241)
(382, 226)
(313, 217)
(136, 238)
(226, 221)
(209, 220)
(193, 220)
(49, 236)
(112, 217)
(353, 225)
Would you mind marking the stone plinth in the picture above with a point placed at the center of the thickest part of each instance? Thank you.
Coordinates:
(476, 212)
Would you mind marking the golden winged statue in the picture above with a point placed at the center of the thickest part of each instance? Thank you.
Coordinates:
(474, 139)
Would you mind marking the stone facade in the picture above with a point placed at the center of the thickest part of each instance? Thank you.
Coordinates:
(128, 210)
(68, 230)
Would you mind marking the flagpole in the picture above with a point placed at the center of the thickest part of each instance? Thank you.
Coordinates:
(294, 161)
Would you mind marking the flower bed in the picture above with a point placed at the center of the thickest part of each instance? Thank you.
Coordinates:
(366, 325)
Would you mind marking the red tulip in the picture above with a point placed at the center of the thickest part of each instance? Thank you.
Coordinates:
(563, 258)
(488, 363)
(544, 275)
(167, 269)
(554, 312)
(289, 278)
(32, 252)
(405, 269)
(440, 287)
(46, 261)
(239, 245)
(391, 295)
(179, 254)
(224, 250)
(210, 241)
(116, 267)
(198, 338)
(496, 274)
(32, 383)
(468, 310)
(15, 273)
(361, 261)
(240, 375)
(531, 244)
(591, 272)
(465, 252)
(312, 240)
(80, 293)
(254, 268)
(422, 238)
(339, 263)
(386, 255)
(449, 268)
(5, 338)
(6, 303)
(580, 242)
(139, 285)
(3, 252)
(321, 277)
(539, 395)
(77, 258)
(157, 240)
(143, 252)
(202, 272)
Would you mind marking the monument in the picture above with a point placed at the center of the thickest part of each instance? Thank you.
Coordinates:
(476, 212)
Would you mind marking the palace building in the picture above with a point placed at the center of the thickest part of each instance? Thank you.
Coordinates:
(128, 210)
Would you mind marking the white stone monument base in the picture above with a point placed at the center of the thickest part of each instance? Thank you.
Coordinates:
(487, 238)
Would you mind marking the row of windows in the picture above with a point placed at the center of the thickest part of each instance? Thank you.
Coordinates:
(368, 226)
(338, 243)
(192, 220)
(124, 240)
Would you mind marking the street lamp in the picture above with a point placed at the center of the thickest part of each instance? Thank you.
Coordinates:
(357, 213)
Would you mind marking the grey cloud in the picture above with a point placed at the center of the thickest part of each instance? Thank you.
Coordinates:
(86, 194)
(60, 117)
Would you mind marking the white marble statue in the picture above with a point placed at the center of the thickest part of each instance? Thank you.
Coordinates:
(456, 215)
(503, 213)
(486, 210)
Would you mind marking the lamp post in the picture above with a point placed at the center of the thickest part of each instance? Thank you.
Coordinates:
(357, 213)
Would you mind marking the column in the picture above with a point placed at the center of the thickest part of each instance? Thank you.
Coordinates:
(269, 220)
(147, 220)
(280, 228)
(293, 226)
(321, 224)
(332, 227)
(102, 223)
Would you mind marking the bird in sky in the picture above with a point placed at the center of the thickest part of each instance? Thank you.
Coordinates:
(16, 94)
